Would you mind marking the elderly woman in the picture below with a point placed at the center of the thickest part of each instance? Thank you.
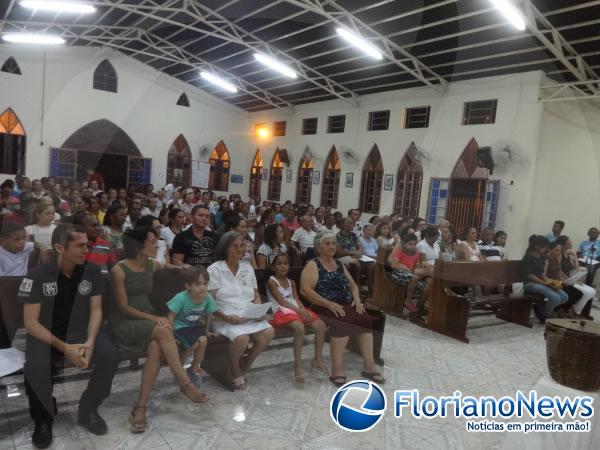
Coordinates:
(326, 284)
(233, 285)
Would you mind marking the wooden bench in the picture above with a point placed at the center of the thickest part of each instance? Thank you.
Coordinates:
(387, 295)
(166, 284)
(449, 310)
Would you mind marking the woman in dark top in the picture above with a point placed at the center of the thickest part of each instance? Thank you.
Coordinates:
(534, 267)
(334, 295)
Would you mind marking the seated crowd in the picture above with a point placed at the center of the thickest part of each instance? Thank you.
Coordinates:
(77, 245)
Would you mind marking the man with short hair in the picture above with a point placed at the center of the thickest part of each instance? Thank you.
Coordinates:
(196, 245)
(354, 214)
(303, 238)
(37, 190)
(486, 243)
(429, 248)
(557, 229)
(62, 313)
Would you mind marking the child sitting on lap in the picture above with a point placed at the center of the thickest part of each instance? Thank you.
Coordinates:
(14, 249)
(289, 312)
(190, 312)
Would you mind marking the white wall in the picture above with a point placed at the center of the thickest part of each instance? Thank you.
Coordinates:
(517, 124)
(144, 107)
(567, 169)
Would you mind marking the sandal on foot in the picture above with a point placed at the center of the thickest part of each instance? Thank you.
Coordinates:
(239, 384)
(137, 426)
(373, 376)
(335, 380)
(196, 396)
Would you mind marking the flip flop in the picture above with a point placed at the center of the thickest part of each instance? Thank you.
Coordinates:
(373, 376)
(337, 383)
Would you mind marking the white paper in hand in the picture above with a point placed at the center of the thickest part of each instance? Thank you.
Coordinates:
(254, 311)
(11, 360)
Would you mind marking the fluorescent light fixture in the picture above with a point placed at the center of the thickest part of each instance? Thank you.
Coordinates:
(58, 6)
(32, 38)
(214, 79)
(511, 13)
(359, 43)
(275, 65)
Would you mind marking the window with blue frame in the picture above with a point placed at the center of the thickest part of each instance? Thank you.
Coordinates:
(491, 204)
(438, 200)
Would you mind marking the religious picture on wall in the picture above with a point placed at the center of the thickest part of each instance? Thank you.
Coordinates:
(349, 179)
(316, 177)
(388, 182)
(288, 176)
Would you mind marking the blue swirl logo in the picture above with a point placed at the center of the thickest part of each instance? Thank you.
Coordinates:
(358, 406)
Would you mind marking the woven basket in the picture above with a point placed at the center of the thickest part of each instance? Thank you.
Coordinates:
(573, 353)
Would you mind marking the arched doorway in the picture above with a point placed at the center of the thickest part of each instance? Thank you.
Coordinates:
(372, 180)
(276, 176)
(409, 180)
(472, 198)
(12, 144)
(218, 179)
(179, 162)
(305, 174)
(103, 147)
(256, 175)
(331, 179)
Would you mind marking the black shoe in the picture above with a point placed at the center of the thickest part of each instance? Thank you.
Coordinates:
(93, 422)
(42, 435)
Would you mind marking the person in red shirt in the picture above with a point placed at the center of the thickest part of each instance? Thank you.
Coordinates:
(408, 271)
(100, 251)
(95, 176)
(7, 201)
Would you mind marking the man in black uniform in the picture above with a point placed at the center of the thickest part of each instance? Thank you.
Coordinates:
(63, 313)
(196, 245)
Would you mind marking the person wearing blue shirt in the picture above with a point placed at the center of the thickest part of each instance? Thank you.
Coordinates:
(590, 249)
(557, 229)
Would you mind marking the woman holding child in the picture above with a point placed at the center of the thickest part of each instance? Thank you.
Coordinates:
(233, 285)
(334, 295)
(136, 326)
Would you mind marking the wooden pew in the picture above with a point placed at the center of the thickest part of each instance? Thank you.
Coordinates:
(387, 295)
(449, 310)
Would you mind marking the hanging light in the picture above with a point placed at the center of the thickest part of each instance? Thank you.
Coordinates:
(275, 65)
(33, 38)
(511, 13)
(360, 43)
(58, 6)
(217, 80)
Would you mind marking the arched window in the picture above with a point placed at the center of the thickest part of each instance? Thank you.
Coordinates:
(276, 177)
(11, 66)
(408, 184)
(331, 180)
(183, 100)
(179, 161)
(305, 174)
(372, 178)
(256, 175)
(105, 77)
(12, 144)
(218, 179)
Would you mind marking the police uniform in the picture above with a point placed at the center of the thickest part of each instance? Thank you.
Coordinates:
(65, 312)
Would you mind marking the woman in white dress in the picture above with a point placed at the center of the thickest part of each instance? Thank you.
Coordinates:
(233, 285)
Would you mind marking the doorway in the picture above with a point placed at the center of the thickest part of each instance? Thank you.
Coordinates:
(112, 167)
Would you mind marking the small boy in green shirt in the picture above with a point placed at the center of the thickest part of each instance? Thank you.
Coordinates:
(190, 313)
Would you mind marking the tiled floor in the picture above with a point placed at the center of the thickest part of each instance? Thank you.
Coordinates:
(275, 413)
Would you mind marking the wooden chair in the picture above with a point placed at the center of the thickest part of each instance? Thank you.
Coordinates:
(387, 295)
(449, 311)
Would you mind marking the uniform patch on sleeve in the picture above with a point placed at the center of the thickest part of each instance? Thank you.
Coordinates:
(26, 285)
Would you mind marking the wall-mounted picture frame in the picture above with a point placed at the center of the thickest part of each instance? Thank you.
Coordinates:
(349, 179)
(288, 176)
(316, 177)
(388, 182)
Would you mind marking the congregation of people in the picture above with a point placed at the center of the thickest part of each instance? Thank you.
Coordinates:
(78, 244)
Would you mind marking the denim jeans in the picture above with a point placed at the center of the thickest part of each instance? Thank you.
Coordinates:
(555, 298)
